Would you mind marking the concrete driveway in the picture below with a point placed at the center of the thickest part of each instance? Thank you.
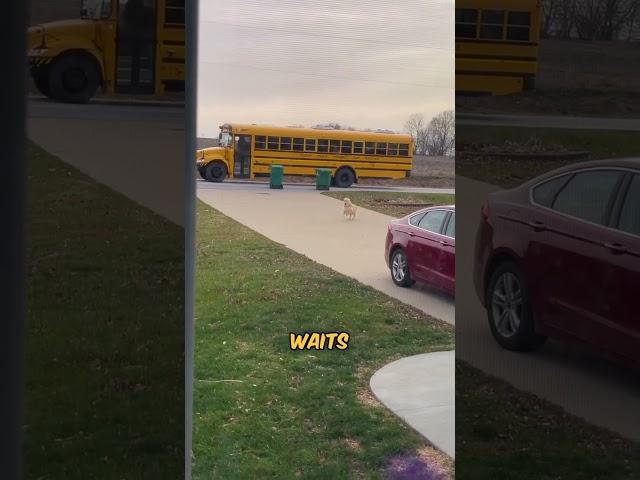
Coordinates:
(583, 384)
(312, 224)
(136, 150)
(421, 390)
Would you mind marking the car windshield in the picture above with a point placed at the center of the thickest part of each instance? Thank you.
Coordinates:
(225, 139)
(95, 9)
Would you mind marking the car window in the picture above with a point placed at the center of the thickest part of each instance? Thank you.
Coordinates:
(630, 214)
(432, 221)
(588, 195)
(451, 226)
(545, 193)
(415, 220)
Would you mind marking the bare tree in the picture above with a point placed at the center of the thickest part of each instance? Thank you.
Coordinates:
(415, 126)
(549, 13)
(440, 134)
(600, 19)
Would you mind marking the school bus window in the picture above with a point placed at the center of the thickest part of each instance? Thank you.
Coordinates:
(393, 149)
(273, 143)
(285, 143)
(492, 24)
(404, 150)
(466, 23)
(358, 147)
(381, 149)
(370, 148)
(323, 146)
(310, 145)
(334, 146)
(261, 142)
(298, 144)
(346, 146)
(518, 26)
(174, 12)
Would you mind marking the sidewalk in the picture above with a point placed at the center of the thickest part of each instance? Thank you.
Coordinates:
(313, 225)
(421, 390)
(121, 100)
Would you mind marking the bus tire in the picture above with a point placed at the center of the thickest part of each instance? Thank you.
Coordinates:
(74, 78)
(215, 172)
(344, 177)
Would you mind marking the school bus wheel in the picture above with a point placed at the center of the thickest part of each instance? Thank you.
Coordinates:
(215, 172)
(74, 78)
(202, 173)
(344, 177)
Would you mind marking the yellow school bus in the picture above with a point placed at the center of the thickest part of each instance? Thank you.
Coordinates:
(118, 46)
(246, 151)
(497, 45)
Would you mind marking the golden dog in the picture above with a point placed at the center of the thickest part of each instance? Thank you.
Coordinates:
(349, 210)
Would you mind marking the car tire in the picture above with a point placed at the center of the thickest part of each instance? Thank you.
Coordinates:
(74, 79)
(509, 309)
(344, 177)
(215, 172)
(399, 268)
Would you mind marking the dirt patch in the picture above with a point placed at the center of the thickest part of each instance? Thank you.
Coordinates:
(384, 202)
(368, 399)
(353, 444)
(434, 456)
(533, 149)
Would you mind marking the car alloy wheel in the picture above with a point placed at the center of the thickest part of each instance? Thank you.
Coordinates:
(399, 267)
(506, 303)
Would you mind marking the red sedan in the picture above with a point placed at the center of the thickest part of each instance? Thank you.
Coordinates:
(422, 247)
(560, 257)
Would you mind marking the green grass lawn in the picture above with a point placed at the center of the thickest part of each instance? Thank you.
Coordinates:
(503, 434)
(386, 202)
(262, 410)
(511, 172)
(104, 393)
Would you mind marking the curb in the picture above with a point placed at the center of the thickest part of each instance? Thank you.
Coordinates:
(118, 101)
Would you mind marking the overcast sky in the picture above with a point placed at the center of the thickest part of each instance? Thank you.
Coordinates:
(361, 63)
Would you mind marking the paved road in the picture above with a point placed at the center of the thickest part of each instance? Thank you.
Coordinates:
(261, 185)
(312, 224)
(546, 121)
(137, 151)
(589, 387)
(421, 390)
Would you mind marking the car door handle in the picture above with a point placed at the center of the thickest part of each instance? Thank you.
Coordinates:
(411, 234)
(615, 248)
(445, 244)
(537, 226)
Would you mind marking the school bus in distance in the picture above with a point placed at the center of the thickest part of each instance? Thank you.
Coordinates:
(246, 151)
(497, 46)
(118, 46)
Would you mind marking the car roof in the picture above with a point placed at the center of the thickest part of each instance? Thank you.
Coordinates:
(435, 207)
(630, 162)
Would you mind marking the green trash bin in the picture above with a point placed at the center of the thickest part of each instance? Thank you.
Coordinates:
(275, 176)
(323, 178)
